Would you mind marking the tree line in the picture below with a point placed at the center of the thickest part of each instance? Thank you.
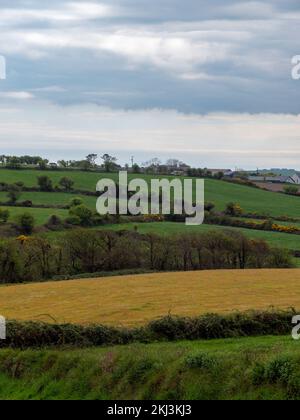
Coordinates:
(84, 251)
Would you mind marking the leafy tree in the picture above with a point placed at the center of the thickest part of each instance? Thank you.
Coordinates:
(66, 183)
(291, 190)
(4, 216)
(45, 183)
(91, 159)
(219, 175)
(54, 222)
(109, 162)
(14, 193)
(77, 201)
(155, 162)
(63, 163)
(26, 223)
(13, 162)
(136, 169)
(43, 164)
(83, 213)
(173, 163)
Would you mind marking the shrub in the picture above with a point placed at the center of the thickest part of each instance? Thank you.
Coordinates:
(209, 206)
(14, 193)
(233, 209)
(73, 220)
(279, 370)
(84, 214)
(201, 361)
(45, 184)
(139, 370)
(77, 201)
(54, 222)
(4, 216)
(37, 335)
(258, 374)
(66, 183)
(26, 223)
(291, 190)
(27, 203)
(293, 387)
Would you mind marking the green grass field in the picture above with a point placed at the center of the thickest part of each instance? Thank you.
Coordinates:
(219, 192)
(52, 199)
(41, 216)
(236, 369)
(282, 240)
(275, 239)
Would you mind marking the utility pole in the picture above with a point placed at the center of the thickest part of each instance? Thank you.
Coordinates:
(132, 161)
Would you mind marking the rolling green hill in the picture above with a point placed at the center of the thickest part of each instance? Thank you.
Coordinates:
(218, 192)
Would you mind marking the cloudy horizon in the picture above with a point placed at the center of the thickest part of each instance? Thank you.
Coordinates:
(206, 82)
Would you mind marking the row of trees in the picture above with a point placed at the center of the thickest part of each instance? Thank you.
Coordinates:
(109, 163)
(85, 251)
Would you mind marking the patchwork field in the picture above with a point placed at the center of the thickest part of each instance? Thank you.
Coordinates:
(219, 192)
(51, 199)
(135, 300)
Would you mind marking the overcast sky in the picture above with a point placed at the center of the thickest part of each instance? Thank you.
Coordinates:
(206, 81)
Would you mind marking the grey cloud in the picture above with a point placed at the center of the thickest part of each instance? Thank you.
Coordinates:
(195, 55)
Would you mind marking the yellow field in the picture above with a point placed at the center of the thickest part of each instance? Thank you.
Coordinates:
(134, 300)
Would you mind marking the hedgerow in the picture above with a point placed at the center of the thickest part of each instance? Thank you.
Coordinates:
(171, 328)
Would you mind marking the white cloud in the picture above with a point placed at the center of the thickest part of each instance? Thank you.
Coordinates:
(66, 13)
(178, 52)
(17, 95)
(50, 89)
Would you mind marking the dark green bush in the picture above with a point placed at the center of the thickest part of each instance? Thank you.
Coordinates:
(279, 370)
(201, 361)
(258, 374)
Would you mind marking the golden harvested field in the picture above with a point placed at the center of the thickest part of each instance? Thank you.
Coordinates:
(134, 300)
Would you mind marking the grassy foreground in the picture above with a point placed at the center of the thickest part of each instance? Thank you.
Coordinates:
(137, 299)
(249, 368)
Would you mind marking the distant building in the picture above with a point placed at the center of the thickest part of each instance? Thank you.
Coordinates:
(293, 179)
(226, 172)
(180, 170)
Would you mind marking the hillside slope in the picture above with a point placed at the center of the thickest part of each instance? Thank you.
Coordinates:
(220, 369)
(219, 192)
